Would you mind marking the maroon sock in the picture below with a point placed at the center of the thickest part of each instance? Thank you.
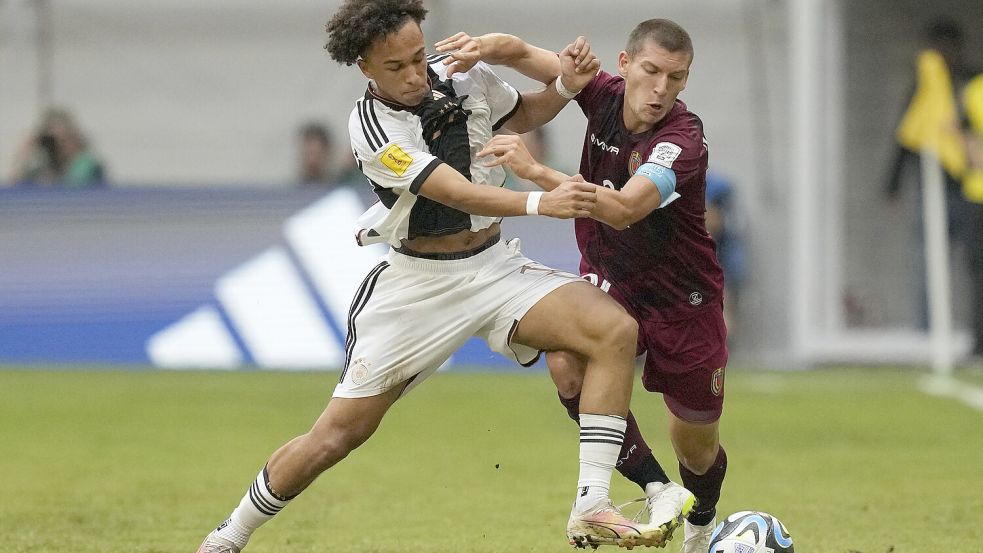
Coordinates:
(706, 488)
(635, 461)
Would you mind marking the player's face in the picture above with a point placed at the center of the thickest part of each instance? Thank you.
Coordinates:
(398, 65)
(653, 79)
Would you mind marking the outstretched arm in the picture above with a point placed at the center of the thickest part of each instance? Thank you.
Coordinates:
(615, 208)
(499, 49)
(575, 66)
(447, 186)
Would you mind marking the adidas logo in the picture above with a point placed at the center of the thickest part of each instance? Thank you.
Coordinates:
(284, 308)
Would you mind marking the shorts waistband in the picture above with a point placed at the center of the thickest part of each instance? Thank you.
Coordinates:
(469, 260)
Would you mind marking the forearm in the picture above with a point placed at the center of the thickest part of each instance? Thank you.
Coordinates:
(511, 51)
(545, 177)
(613, 208)
(537, 109)
(447, 186)
(488, 201)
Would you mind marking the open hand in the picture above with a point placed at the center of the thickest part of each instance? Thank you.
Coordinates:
(465, 52)
(510, 150)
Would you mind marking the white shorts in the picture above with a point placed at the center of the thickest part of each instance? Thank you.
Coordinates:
(411, 314)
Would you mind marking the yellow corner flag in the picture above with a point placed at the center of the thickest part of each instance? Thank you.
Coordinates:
(932, 121)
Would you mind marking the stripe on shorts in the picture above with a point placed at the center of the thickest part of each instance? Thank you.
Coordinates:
(358, 303)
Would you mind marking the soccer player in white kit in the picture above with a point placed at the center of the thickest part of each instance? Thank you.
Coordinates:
(448, 275)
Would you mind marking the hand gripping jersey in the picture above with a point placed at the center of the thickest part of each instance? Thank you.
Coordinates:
(397, 147)
(663, 266)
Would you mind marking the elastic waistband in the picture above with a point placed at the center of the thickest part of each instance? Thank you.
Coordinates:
(455, 262)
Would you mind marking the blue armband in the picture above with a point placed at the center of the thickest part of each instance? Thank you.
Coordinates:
(662, 177)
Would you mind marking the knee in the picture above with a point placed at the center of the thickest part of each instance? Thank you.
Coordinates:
(625, 331)
(698, 458)
(618, 332)
(327, 449)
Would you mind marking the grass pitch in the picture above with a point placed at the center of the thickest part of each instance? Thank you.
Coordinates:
(146, 461)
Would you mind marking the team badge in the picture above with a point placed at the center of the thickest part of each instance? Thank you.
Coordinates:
(717, 382)
(695, 298)
(634, 162)
(360, 370)
(396, 159)
(665, 153)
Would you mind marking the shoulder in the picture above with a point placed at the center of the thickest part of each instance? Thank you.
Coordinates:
(372, 124)
(680, 137)
(602, 90)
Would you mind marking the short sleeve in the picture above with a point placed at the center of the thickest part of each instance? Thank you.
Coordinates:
(503, 98)
(682, 149)
(600, 87)
(388, 150)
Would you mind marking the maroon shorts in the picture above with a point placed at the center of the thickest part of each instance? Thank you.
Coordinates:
(685, 361)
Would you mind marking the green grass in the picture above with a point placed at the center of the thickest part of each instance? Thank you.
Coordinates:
(146, 461)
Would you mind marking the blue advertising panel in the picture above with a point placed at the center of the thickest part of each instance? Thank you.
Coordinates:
(193, 278)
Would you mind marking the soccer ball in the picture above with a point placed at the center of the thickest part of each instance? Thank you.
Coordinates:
(750, 532)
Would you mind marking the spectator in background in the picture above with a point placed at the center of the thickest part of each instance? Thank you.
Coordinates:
(316, 166)
(57, 154)
(936, 119)
(973, 192)
(723, 225)
(315, 149)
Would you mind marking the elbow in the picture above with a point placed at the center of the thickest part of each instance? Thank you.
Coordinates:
(624, 218)
(618, 224)
(520, 123)
(617, 221)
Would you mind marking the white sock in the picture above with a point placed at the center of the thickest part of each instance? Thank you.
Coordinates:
(601, 437)
(259, 505)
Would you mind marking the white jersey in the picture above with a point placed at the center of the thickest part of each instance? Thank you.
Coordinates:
(390, 149)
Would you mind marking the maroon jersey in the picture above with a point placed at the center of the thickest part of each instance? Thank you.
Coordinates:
(663, 267)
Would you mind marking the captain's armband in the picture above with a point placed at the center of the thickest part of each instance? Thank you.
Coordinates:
(663, 178)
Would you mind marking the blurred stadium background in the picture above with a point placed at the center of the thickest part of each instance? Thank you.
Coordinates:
(202, 252)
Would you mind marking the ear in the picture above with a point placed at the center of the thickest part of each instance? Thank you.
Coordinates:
(364, 67)
(623, 62)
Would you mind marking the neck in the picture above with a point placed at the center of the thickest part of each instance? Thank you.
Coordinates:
(634, 124)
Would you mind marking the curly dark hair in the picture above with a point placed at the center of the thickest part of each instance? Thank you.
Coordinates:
(359, 23)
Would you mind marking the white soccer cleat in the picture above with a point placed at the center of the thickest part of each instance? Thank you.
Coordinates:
(215, 544)
(667, 505)
(605, 525)
(696, 539)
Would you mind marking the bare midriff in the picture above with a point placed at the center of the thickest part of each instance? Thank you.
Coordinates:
(462, 241)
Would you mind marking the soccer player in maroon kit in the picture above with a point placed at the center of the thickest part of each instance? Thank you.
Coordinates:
(646, 244)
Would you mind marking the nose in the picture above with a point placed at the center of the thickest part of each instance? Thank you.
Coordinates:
(660, 84)
(416, 77)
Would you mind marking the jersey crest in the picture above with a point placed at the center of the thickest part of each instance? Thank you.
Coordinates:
(634, 162)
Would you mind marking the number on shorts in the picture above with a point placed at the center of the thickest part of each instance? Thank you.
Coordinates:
(592, 278)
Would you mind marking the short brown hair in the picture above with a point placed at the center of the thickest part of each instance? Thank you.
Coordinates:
(664, 32)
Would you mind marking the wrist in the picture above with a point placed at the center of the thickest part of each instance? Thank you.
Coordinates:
(564, 91)
(535, 173)
(532, 203)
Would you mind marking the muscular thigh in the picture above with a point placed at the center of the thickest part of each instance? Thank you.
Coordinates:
(686, 361)
(568, 317)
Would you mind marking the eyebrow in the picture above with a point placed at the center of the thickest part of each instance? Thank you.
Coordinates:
(652, 65)
(415, 54)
